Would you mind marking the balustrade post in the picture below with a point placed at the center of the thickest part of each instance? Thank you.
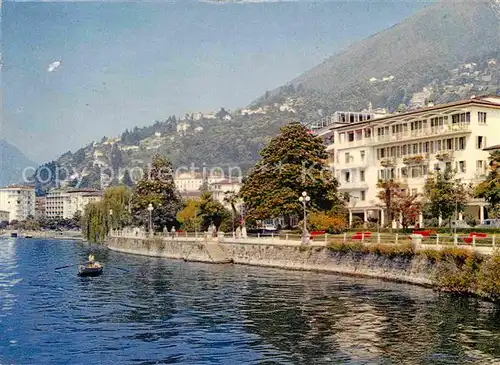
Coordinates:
(378, 237)
(326, 238)
(397, 238)
(473, 240)
(345, 237)
(455, 239)
(493, 241)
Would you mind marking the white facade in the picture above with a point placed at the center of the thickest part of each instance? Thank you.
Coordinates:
(189, 184)
(19, 201)
(221, 188)
(65, 204)
(408, 146)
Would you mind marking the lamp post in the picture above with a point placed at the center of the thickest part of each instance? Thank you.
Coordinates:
(150, 210)
(111, 219)
(304, 199)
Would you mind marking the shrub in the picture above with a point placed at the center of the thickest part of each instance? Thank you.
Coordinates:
(324, 222)
(457, 278)
(489, 277)
(347, 247)
(392, 251)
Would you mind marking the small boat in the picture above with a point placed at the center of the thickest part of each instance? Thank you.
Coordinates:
(90, 269)
(28, 236)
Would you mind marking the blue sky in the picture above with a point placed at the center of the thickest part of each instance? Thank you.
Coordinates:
(128, 64)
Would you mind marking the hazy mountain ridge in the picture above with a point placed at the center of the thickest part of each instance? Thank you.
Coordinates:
(448, 51)
(416, 53)
(12, 164)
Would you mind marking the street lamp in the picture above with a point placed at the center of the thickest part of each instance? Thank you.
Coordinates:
(150, 210)
(304, 199)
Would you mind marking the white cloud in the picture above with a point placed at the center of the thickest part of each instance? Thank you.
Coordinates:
(54, 66)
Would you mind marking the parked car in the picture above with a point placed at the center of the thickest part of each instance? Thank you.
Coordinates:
(490, 223)
(459, 224)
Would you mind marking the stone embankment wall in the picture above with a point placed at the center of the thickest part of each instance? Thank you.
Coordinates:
(287, 256)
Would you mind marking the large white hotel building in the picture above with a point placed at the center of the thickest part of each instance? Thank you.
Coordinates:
(408, 146)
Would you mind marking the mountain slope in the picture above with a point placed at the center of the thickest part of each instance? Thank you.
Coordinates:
(451, 49)
(413, 54)
(12, 164)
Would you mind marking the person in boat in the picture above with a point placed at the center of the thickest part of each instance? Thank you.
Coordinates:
(91, 260)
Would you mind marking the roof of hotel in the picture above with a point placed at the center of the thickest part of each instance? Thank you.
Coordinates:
(478, 100)
(226, 181)
(17, 187)
(492, 148)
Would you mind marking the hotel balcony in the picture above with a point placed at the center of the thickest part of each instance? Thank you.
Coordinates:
(353, 185)
(423, 133)
(416, 159)
(354, 164)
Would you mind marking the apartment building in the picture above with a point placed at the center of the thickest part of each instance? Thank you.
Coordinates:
(189, 184)
(19, 201)
(220, 189)
(66, 203)
(408, 146)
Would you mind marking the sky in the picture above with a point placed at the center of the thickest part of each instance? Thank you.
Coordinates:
(129, 64)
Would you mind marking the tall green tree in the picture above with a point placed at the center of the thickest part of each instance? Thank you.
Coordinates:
(212, 212)
(387, 195)
(127, 179)
(292, 162)
(158, 189)
(188, 216)
(112, 212)
(445, 195)
(489, 189)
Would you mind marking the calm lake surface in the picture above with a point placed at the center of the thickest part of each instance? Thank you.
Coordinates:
(172, 312)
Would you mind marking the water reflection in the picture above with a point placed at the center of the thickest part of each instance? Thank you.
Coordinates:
(9, 277)
(174, 312)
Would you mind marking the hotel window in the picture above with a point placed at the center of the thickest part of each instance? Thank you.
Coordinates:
(426, 147)
(415, 148)
(362, 175)
(415, 172)
(449, 144)
(362, 155)
(438, 145)
(350, 136)
(436, 122)
(462, 118)
(448, 166)
(393, 151)
(481, 117)
(368, 133)
(461, 144)
(363, 195)
(461, 166)
(403, 150)
(480, 142)
(404, 172)
(347, 176)
(347, 157)
(425, 170)
(479, 167)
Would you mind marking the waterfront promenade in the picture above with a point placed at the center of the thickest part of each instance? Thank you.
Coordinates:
(483, 245)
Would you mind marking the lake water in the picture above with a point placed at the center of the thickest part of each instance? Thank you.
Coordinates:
(172, 312)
